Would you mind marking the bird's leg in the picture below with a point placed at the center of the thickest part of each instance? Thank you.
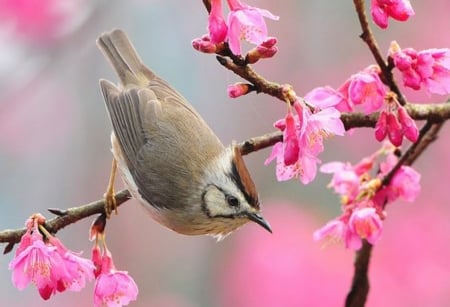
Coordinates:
(110, 198)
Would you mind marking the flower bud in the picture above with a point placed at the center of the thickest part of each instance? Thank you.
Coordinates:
(238, 89)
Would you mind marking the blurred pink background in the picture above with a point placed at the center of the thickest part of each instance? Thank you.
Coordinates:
(54, 152)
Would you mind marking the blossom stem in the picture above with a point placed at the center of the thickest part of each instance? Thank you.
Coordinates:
(368, 37)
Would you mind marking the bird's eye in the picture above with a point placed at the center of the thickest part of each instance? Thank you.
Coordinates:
(232, 201)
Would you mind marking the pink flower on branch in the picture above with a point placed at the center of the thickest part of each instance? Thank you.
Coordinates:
(246, 23)
(404, 184)
(364, 198)
(428, 68)
(364, 88)
(395, 123)
(381, 10)
(50, 266)
(112, 287)
(303, 135)
(217, 26)
(364, 223)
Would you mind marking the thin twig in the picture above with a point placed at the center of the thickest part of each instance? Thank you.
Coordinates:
(72, 215)
(246, 72)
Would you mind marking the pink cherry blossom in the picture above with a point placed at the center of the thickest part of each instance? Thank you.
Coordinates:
(303, 133)
(112, 287)
(34, 265)
(78, 269)
(364, 197)
(365, 88)
(345, 180)
(326, 96)
(304, 169)
(246, 22)
(50, 266)
(404, 184)
(333, 231)
(217, 26)
(381, 10)
(428, 68)
(367, 224)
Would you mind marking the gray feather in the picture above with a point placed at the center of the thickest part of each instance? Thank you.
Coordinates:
(164, 140)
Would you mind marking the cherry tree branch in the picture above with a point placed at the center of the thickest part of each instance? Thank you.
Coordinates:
(360, 283)
(434, 112)
(64, 218)
(368, 37)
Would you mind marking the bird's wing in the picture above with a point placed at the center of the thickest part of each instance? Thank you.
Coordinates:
(165, 143)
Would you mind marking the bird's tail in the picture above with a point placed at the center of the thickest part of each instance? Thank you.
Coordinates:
(120, 52)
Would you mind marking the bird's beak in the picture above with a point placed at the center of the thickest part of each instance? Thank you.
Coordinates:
(258, 219)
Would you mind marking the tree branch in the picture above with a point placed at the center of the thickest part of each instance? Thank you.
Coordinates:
(434, 112)
(64, 219)
(360, 283)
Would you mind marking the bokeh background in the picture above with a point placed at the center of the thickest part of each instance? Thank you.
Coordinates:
(54, 152)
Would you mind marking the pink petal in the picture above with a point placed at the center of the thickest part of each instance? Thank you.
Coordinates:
(324, 97)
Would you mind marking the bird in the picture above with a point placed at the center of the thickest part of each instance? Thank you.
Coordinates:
(169, 158)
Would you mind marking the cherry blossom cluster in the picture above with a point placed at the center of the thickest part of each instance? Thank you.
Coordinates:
(43, 260)
(365, 90)
(112, 287)
(364, 196)
(312, 119)
(304, 129)
(244, 22)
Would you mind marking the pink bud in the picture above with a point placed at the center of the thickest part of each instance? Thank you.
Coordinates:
(216, 23)
(290, 140)
(238, 89)
(394, 128)
(204, 45)
(381, 127)
(408, 125)
(266, 49)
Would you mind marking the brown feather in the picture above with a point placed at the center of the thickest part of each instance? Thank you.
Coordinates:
(248, 186)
